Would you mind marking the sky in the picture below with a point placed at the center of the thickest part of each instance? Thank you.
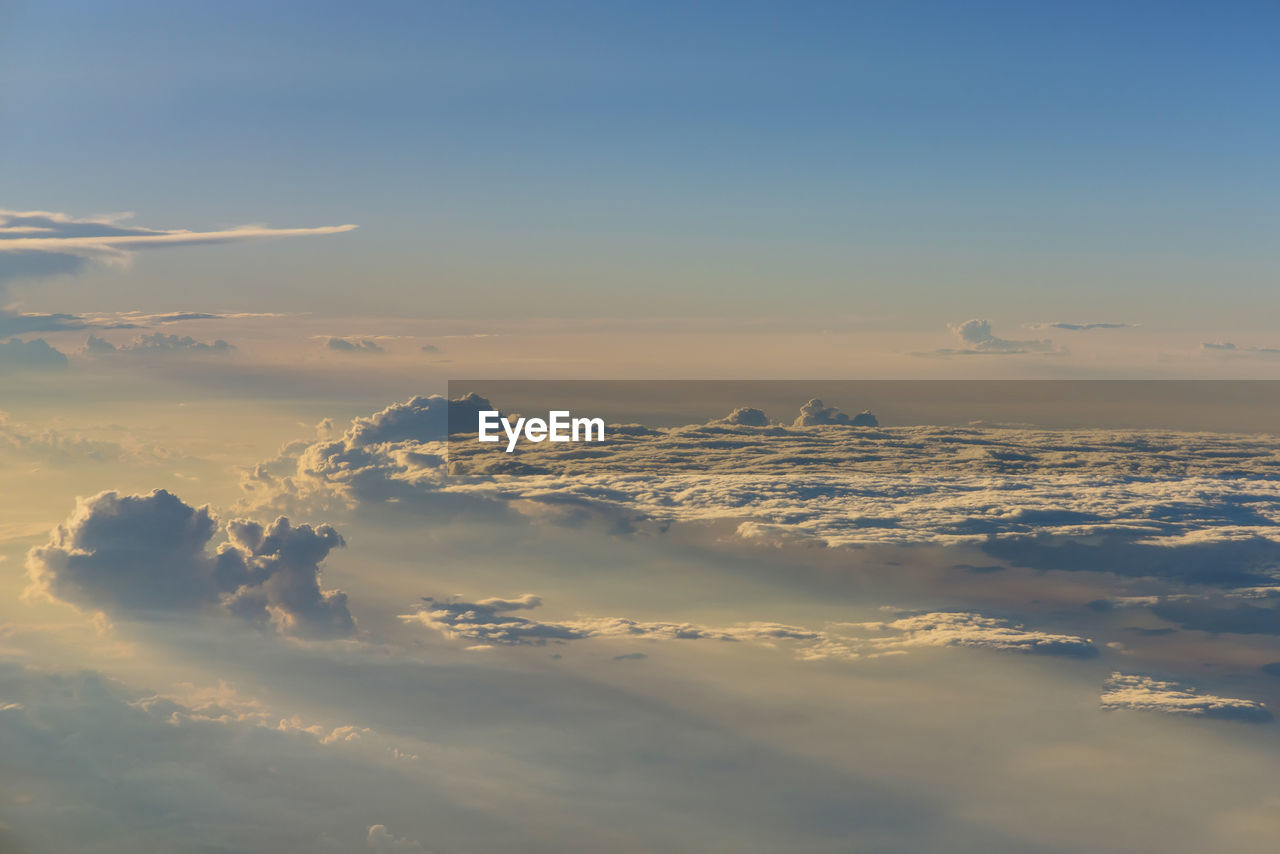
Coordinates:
(942, 557)
(912, 163)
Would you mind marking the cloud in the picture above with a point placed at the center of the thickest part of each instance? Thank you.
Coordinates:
(747, 416)
(814, 414)
(349, 345)
(1226, 348)
(40, 244)
(382, 841)
(156, 342)
(33, 355)
(1142, 693)
(397, 454)
(429, 348)
(491, 621)
(140, 555)
(1196, 507)
(965, 629)
(16, 323)
(233, 773)
(47, 444)
(977, 339)
(1082, 327)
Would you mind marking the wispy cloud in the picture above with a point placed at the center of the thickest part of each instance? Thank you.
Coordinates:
(1080, 327)
(1226, 348)
(1142, 693)
(37, 244)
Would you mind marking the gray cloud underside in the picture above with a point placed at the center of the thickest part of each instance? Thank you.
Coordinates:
(33, 355)
(156, 342)
(354, 345)
(141, 555)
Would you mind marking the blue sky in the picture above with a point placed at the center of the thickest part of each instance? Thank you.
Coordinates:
(656, 158)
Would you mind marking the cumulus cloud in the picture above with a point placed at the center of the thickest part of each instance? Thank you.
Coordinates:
(156, 342)
(430, 348)
(134, 555)
(815, 414)
(976, 338)
(747, 416)
(354, 345)
(38, 244)
(33, 355)
(1142, 693)
(396, 454)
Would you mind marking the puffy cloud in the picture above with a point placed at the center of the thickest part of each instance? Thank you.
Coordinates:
(134, 555)
(38, 244)
(156, 342)
(393, 455)
(350, 345)
(815, 414)
(430, 348)
(37, 355)
(746, 416)
(977, 339)
(1142, 693)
